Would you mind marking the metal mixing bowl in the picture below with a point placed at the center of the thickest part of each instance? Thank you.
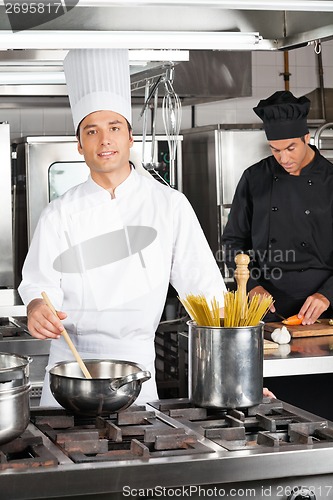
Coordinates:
(114, 385)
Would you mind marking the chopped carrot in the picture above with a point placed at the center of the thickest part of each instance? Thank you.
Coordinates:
(293, 320)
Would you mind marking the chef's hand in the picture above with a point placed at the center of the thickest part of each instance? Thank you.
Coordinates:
(260, 290)
(313, 307)
(42, 323)
(267, 393)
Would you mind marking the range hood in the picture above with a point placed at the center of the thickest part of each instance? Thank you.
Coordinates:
(191, 34)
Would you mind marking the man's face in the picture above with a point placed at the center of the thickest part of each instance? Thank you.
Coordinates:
(105, 143)
(292, 154)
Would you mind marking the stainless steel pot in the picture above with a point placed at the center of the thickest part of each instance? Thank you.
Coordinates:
(14, 370)
(225, 366)
(114, 386)
(14, 412)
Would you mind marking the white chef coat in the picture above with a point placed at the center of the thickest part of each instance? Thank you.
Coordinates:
(145, 237)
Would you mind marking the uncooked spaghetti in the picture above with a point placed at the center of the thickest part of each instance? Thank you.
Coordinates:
(236, 311)
(250, 313)
(200, 311)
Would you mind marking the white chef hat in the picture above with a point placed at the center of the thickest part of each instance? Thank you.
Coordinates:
(98, 79)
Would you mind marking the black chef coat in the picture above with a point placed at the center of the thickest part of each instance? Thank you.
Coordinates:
(285, 222)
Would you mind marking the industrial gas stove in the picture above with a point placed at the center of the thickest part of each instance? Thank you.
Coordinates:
(171, 448)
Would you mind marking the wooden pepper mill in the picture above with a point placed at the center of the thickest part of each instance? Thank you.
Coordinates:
(242, 275)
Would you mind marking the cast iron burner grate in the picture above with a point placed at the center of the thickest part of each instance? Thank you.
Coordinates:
(26, 451)
(12, 328)
(268, 424)
(131, 434)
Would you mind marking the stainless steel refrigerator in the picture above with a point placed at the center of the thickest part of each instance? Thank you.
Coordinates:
(214, 158)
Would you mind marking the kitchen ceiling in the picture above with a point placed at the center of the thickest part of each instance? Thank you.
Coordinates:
(33, 43)
(280, 24)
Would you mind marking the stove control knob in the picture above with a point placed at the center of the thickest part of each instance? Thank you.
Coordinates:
(301, 493)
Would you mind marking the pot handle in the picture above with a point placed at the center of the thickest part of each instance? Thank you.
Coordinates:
(132, 377)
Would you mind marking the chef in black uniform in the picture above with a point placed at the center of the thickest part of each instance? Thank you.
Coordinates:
(282, 215)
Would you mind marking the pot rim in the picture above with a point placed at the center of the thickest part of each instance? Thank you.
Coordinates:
(192, 322)
(87, 361)
(26, 360)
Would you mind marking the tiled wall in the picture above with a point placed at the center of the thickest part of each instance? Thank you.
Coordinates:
(38, 121)
(266, 79)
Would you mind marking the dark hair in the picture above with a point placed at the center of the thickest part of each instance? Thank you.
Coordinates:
(129, 126)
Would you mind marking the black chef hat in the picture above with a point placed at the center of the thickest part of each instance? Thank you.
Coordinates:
(284, 115)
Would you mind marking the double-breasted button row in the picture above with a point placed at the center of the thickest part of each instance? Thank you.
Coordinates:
(276, 178)
(275, 209)
(303, 243)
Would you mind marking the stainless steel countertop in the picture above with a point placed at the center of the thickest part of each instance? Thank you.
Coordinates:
(306, 355)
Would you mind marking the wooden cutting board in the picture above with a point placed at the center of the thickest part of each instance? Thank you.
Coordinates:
(268, 344)
(315, 330)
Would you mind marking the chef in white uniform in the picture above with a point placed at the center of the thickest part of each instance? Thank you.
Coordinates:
(106, 251)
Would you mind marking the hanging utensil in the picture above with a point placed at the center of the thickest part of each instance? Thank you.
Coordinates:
(149, 92)
(68, 339)
(153, 161)
(171, 111)
(152, 165)
(144, 115)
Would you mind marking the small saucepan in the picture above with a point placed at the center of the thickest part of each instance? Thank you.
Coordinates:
(114, 385)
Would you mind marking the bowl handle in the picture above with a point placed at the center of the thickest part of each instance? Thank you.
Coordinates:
(132, 377)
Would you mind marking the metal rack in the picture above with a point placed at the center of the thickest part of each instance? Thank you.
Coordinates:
(171, 369)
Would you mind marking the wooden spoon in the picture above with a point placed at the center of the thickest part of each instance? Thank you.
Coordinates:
(68, 339)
